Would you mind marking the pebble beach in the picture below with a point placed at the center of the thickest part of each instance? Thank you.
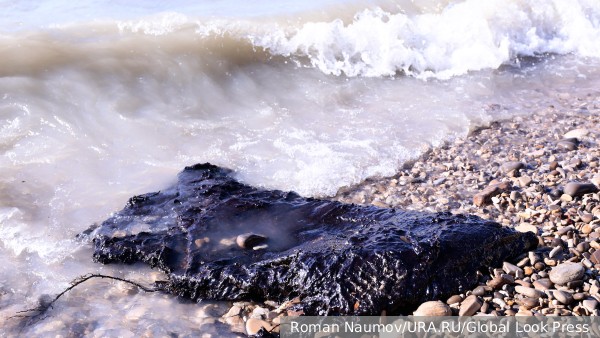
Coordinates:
(538, 173)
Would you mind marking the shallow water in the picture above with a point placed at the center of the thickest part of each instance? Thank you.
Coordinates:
(100, 102)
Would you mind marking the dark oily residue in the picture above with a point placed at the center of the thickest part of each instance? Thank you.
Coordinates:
(338, 258)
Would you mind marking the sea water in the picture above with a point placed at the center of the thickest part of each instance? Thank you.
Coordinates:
(102, 100)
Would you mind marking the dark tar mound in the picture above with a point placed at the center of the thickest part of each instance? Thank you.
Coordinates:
(338, 258)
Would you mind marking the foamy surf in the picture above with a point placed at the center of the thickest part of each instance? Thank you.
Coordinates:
(100, 103)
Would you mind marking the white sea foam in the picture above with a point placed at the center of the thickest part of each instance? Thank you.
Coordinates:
(465, 36)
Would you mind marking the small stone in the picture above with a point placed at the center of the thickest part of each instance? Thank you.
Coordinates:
(524, 181)
(543, 284)
(479, 291)
(586, 217)
(566, 198)
(433, 308)
(595, 257)
(259, 312)
(470, 306)
(563, 297)
(578, 134)
(590, 304)
(526, 227)
(233, 311)
(568, 144)
(556, 251)
(579, 296)
(485, 307)
(439, 181)
(554, 207)
(560, 232)
(511, 269)
(529, 292)
(533, 257)
(596, 180)
(524, 313)
(485, 196)
(566, 272)
(524, 261)
(576, 189)
(528, 303)
(510, 166)
(499, 281)
(553, 165)
(253, 325)
(583, 247)
(586, 229)
(539, 266)
(250, 240)
(454, 299)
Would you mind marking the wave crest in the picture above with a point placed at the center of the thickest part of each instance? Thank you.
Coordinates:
(471, 35)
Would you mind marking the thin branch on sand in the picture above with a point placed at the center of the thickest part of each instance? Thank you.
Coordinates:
(36, 313)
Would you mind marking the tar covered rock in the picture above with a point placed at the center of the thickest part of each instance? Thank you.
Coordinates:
(337, 258)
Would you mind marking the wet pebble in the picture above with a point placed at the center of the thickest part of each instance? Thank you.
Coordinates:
(524, 181)
(595, 257)
(250, 240)
(578, 134)
(566, 272)
(499, 281)
(567, 144)
(529, 292)
(433, 308)
(511, 269)
(485, 196)
(563, 297)
(470, 306)
(590, 304)
(577, 189)
(526, 227)
(479, 291)
(454, 299)
(253, 325)
(528, 302)
(555, 252)
(586, 217)
(513, 165)
(543, 284)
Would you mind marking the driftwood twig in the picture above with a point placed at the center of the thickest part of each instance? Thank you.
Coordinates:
(36, 313)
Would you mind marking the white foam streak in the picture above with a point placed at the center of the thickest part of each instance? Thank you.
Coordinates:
(467, 36)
